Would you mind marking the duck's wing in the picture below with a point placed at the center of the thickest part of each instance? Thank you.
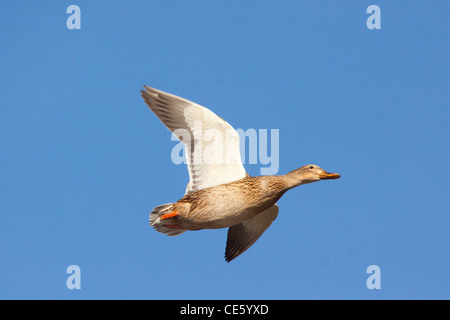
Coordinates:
(212, 145)
(244, 234)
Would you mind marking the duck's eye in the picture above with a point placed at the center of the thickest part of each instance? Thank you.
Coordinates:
(311, 167)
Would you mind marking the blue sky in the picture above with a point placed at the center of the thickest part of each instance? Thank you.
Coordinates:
(83, 159)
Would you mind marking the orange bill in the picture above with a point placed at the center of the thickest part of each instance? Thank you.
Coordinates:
(328, 175)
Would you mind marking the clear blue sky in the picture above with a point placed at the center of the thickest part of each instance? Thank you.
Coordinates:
(83, 159)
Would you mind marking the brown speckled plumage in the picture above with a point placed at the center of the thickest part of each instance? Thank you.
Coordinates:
(228, 204)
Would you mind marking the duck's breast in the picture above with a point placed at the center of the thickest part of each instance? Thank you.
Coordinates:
(229, 204)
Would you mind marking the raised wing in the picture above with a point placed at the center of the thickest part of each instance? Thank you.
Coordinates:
(211, 144)
(244, 234)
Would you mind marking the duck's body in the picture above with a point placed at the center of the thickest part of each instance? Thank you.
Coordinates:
(220, 194)
(226, 205)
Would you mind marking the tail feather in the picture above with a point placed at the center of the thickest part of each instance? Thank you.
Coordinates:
(158, 224)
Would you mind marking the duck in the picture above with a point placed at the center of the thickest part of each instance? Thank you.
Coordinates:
(220, 193)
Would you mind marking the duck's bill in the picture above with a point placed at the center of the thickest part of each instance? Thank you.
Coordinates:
(327, 175)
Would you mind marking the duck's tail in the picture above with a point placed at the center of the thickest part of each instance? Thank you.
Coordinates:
(160, 220)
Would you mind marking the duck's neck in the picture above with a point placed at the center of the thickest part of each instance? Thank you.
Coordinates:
(294, 179)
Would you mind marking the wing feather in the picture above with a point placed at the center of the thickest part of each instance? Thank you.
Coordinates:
(212, 150)
(243, 235)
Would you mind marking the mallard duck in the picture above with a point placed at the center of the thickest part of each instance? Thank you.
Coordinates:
(220, 194)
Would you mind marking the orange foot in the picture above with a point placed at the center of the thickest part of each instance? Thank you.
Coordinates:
(169, 215)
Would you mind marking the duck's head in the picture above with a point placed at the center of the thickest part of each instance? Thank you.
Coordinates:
(311, 173)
